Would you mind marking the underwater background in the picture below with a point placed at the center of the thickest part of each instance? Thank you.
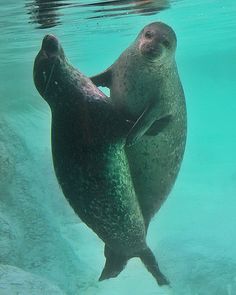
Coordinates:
(44, 248)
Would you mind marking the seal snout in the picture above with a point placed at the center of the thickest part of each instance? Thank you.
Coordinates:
(151, 49)
(50, 45)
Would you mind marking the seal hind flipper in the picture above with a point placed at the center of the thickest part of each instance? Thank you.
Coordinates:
(103, 79)
(149, 260)
(115, 263)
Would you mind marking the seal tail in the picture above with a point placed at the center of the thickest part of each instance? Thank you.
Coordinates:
(149, 260)
(115, 263)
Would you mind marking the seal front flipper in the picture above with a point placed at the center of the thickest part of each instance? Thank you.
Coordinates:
(149, 118)
(158, 126)
(115, 263)
(103, 79)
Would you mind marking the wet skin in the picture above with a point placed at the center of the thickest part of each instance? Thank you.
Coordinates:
(88, 137)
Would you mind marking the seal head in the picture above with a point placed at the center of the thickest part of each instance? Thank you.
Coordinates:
(156, 40)
(49, 58)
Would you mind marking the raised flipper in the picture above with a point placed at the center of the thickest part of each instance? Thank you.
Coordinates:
(149, 260)
(103, 79)
(115, 263)
(150, 115)
(158, 126)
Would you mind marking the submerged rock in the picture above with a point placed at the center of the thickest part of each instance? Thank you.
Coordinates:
(15, 281)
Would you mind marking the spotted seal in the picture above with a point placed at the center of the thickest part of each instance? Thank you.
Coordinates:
(145, 87)
(88, 137)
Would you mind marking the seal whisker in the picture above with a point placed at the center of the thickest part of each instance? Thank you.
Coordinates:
(49, 79)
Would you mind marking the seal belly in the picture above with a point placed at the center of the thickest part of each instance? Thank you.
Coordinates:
(97, 183)
(159, 159)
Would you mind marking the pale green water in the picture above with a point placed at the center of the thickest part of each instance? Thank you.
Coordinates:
(193, 235)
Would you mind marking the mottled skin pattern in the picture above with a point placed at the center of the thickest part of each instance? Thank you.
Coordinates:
(88, 138)
(145, 86)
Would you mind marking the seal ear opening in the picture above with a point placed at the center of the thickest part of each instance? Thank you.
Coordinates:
(103, 79)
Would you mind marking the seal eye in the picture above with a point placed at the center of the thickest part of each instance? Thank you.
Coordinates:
(148, 34)
(166, 43)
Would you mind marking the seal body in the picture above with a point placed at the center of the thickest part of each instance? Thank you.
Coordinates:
(145, 87)
(88, 137)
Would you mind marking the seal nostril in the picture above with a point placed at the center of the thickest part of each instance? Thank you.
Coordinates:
(50, 44)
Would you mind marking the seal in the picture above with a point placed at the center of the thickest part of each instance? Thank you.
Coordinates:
(88, 137)
(145, 87)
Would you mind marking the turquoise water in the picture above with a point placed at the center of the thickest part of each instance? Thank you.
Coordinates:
(193, 235)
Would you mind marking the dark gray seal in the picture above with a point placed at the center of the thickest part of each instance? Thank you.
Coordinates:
(88, 138)
(146, 88)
